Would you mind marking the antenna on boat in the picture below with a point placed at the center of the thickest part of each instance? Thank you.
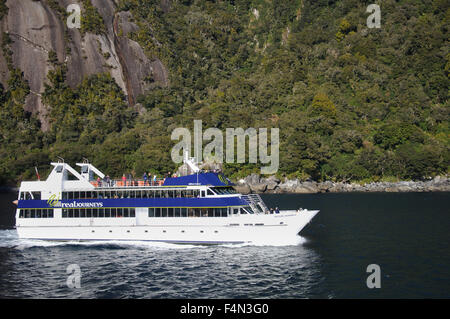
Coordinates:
(190, 161)
(60, 159)
(85, 160)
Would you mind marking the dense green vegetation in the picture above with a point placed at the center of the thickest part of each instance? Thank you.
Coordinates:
(351, 103)
(91, 20)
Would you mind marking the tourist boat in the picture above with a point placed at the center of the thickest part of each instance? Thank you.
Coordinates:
(200, 208)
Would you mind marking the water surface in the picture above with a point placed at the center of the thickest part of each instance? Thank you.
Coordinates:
(407, 235)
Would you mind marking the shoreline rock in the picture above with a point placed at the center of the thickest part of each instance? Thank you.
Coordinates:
(272, 185)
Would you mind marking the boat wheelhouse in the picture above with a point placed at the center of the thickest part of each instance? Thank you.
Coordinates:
(197, 208)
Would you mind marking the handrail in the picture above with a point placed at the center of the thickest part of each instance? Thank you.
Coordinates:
(127, 183)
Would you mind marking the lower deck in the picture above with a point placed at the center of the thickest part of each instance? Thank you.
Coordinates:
(232, 229)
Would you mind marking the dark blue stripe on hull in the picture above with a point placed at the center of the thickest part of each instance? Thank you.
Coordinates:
(136, 202)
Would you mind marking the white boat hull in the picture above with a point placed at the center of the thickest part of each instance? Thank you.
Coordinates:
(202, 230)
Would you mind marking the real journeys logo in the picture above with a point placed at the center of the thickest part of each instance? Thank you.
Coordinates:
(75, 204)
(53, 201)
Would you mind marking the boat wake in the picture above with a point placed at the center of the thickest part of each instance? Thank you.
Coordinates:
(9, 239)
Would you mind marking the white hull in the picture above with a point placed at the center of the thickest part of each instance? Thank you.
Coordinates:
(207, 230)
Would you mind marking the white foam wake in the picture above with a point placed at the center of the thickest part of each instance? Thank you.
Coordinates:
(9, 239)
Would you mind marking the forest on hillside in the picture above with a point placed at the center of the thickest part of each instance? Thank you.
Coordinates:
(352, 103)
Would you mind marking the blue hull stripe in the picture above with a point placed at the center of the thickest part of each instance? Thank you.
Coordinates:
(136, 202)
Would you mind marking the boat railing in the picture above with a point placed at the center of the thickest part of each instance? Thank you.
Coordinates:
(127, 183)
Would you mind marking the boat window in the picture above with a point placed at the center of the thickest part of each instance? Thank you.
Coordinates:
(224, 190)
(210, 192)
(59, 169)
(36, 195)
(36, 213)
(247, 210)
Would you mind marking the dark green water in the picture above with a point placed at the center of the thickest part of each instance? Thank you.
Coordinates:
(407, 235)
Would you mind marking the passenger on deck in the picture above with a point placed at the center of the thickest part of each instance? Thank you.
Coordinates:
(271, 210)
(108, 180)
(99, 181)
(145, 178)
(124, 180)
(277, 211)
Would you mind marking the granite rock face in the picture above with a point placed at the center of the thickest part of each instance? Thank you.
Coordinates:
(36, 28)
(255, 184)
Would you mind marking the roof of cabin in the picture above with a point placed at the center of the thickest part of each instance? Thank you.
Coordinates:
(206, 179)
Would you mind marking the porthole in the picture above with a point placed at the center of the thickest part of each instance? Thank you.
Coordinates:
(164, 231)
(281, 223)
(182, 231)
(93, 231)
(146, 231)
(202, 231)
(110, 231)
(216, 231)
(128, 231)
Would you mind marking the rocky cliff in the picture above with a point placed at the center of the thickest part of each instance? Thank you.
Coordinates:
(256, 184)
(41, 39)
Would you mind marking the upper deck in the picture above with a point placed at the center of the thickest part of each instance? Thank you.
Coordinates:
(66, 183)
(199, 179)
(65, 186)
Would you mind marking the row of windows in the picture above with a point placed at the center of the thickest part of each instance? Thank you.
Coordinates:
(36, 213)
(187, 212)
(30, 195)
(98, 212)
(146, 193)
(133, 193)
(131, 212)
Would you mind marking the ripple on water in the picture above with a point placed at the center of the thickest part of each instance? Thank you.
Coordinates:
(115, 269)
